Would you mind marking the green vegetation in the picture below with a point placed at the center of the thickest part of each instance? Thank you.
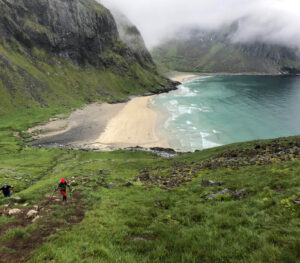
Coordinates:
(143, 223)
(42, 81)
(215, 56)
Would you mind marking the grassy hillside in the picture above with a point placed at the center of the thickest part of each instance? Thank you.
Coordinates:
(214, 54)
(59, 55)
(41, 80)
(141, 221)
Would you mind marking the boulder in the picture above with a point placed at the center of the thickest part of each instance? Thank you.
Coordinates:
(31, 214)
(15, 211)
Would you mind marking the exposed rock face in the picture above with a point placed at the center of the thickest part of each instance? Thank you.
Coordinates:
(74, 29)
(133, 38)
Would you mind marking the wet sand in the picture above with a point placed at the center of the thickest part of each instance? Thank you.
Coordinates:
(80, 130)
(107, 126)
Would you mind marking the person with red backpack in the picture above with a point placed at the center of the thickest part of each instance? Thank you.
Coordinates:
(62, 186)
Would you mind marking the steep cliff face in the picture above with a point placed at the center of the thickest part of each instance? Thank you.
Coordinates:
(214, 51)
(68, 52)
(73, 29)
(133, 38)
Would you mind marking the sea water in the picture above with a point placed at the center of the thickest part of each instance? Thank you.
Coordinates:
(206, 112)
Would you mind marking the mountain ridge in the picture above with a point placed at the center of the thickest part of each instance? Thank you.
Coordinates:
(66, 54)
(195, 50)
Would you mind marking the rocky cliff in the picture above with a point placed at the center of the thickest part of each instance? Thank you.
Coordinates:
(130, 34)
(192, 49)
(69, 52)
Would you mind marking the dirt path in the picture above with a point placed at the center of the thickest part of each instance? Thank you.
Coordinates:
(45, 226)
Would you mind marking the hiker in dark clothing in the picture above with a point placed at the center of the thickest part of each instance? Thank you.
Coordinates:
(63, 188)
(6, 190)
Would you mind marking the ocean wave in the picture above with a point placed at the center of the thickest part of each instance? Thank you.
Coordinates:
(184, 91)
(207, 143)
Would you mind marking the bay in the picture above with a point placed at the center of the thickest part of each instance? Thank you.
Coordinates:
(209, 111)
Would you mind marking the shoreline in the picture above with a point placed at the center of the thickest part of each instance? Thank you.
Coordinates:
(106, 126)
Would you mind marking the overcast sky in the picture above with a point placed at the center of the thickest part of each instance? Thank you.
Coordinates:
(276, 21)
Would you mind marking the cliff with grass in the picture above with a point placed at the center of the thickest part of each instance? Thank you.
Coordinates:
(194, 50)
(63, 54)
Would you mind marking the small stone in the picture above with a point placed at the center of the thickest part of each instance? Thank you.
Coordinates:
(158, 203)
(15, 211)
(297, 202)
(210, 183)
(31, 214)
(111, 186)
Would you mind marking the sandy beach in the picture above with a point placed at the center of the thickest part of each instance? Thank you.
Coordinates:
(182, 77)
(134, 125)
(107, 126)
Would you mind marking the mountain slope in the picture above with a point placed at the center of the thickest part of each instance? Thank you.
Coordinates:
(214, 51)
(66, 53)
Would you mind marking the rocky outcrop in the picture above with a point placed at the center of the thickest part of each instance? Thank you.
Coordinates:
(180, 173)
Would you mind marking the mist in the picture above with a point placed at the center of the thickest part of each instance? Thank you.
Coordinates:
(269, 21)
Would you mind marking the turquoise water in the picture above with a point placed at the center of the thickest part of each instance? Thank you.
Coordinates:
(210, 111)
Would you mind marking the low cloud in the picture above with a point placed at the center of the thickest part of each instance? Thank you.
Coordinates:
(270, 21)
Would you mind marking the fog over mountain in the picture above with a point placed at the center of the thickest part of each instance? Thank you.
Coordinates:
(269, 21)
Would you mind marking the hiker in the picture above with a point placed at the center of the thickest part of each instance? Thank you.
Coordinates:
(6, 190)
(63, 188)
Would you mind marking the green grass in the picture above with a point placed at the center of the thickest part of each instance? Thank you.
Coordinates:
(40, 83)
(125, 225)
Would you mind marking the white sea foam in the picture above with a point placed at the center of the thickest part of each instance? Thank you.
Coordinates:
(188, 122)
(173, 102)
(204, 109)
(184, 91)
(206, 143)
(204, 134)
